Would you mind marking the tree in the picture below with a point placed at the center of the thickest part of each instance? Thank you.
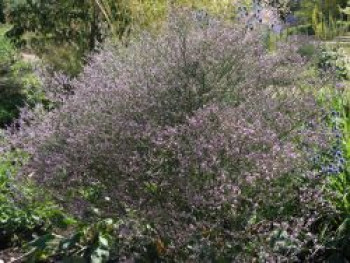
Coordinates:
(57, 21)
(63, 31)
(81, 24)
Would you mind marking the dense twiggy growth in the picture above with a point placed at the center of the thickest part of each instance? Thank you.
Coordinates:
(182, 128)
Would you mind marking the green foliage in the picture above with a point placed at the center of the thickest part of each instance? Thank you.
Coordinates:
(64, 57)
(24, 209)
(301, 30)
(64, 31)
(333, 61)
(7, 51)
(18, 84)
(308, 50)
(89, 244)
(333, 225)
(2, 14)
(10, 94)
(324, 17)
(105, 240)
(343, 26)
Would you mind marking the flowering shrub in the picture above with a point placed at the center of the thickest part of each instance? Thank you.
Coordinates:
(194, 129)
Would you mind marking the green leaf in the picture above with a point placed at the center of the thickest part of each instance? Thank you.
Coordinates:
(41, 242)
(70, 242)
(99, 255)
(344, 228)
(103, 241)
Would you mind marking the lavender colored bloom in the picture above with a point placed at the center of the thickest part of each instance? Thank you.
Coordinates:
(340, 85)
(277, 28)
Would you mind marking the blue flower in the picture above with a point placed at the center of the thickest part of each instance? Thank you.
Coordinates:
(323, 169)
(330, 168)
(291, 19)
(338, 154)
(335, 113)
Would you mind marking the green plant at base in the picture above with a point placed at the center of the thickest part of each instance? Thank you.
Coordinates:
(90, 244)
(24, 209)
(101, 241)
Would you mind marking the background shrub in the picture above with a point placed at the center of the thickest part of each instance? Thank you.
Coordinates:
(18, 83)
(332, 60)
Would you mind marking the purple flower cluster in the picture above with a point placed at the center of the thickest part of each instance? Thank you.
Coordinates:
(260, 14)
